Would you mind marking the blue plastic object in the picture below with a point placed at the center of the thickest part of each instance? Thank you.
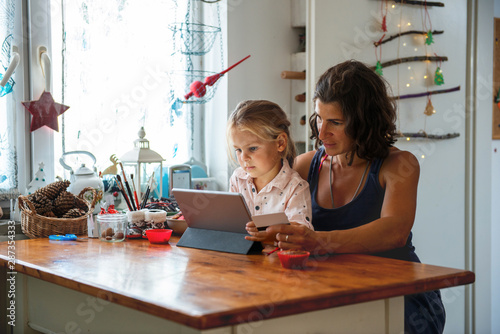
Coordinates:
(197, 172)
(8, 86)
(62, 237)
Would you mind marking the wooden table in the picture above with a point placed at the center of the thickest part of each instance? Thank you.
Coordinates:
(152, 288)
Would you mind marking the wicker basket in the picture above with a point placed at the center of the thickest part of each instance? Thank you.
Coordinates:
(38, 226)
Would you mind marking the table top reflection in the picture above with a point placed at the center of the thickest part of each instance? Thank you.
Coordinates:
(207, 289)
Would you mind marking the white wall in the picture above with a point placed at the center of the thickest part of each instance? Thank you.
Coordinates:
(495, 234)
(495, 219)
(480, 195)
(453, 225)
(261, 29)
(439, 230)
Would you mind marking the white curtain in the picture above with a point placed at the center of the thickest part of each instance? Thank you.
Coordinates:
(8, 161)
(118, 68)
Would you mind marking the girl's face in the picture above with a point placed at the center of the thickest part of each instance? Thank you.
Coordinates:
(259, 158)
(331, 128)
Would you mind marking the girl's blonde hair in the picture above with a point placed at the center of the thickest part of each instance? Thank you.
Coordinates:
(265, 120)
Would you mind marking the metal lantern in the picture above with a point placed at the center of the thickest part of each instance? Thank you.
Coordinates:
(145, 162)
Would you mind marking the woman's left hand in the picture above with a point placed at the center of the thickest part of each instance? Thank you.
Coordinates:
(296, 236)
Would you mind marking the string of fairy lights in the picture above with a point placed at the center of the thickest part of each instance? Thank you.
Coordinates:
(433, 61)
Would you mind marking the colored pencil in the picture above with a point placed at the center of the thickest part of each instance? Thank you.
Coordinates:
(274, 250)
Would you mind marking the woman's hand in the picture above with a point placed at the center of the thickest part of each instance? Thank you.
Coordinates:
(298, 236)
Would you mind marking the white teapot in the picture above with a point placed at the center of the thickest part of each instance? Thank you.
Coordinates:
(83, 177)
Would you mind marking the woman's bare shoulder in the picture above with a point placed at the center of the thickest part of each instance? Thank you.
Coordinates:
(302, 163)
(400, 164)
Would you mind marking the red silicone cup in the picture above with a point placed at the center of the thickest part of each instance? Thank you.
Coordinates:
(159, 236)
(293, 259)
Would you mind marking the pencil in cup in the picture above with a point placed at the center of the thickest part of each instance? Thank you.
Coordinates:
(120, 185)
(146, 195)
(135, 191)
(127, 187)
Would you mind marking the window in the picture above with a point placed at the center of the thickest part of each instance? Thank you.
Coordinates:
(113, 64)
(117, 64)
(10, 94)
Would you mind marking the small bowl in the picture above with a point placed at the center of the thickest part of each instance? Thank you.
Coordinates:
(291, 259)
(178, 225)
(159, 235)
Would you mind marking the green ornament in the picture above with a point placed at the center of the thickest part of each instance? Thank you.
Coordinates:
(378, 69)
(428, 38)
(497, 98)
(438, 77)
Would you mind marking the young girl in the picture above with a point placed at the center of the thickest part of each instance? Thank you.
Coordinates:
(258, 132)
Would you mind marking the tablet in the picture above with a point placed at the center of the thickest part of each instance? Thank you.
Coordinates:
(213, 210)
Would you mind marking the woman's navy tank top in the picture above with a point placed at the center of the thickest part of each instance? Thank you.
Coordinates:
(363, 209)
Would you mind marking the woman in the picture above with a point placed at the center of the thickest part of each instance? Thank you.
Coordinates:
(363, 190)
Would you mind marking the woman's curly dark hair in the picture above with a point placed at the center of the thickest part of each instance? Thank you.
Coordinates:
(369, 112)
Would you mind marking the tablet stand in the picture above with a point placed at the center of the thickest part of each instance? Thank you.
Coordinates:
(221, 241)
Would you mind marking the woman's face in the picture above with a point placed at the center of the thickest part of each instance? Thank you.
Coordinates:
(331, 128)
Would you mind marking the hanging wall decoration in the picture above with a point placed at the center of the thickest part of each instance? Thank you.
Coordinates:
(428, 34)
(410, 32)
(428, 26)
(193, 39)
(378, 66)
(411, 59)
(45, 112)
(420, 3)
(198, 88)
(429, 108)
(383, 10)
(434, 92)
(438, 76)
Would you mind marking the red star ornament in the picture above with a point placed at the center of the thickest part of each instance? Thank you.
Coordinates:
(45, 112)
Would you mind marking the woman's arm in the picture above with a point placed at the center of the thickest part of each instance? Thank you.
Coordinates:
(399, 174)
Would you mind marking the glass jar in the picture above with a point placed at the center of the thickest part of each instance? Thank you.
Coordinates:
(112, 227)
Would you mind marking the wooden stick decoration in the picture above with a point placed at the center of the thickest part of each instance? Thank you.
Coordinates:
(410, 59)
(423, 134)
(295, 75)
(420, 3)
(440, 91)
(300, 97)
(416, 32)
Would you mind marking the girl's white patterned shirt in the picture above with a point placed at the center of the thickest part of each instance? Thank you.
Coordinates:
(287, 193)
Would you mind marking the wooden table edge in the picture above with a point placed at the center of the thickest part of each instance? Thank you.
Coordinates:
(230, 318)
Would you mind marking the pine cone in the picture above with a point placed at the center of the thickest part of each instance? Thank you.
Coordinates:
(41, 203)
(49, 214)
(53, 190)
(74, 213)
(81, 204)
(63, 203)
